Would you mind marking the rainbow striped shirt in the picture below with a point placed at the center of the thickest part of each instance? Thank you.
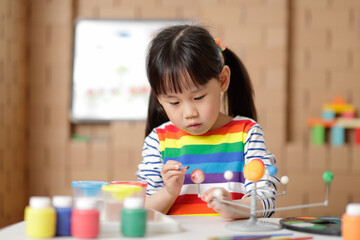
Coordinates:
(226, 148)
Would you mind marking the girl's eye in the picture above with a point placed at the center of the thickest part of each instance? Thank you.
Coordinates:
(174, 103)
(198, 98)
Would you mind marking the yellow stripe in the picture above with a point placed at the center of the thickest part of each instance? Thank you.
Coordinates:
(203, 140)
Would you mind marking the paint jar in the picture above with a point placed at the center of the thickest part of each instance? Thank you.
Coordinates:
(133, 217)
(114, 195)
(63, 208)
(90, 189)
(85, 218)
(40, 218)
(350, 224)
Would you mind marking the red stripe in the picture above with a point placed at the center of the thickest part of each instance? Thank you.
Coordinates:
(173, 132)
(193, 198)
(191, 204)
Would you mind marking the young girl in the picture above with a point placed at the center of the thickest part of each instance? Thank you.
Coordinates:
(186, 129)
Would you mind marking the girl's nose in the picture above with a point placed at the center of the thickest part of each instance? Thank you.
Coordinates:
(190, 111)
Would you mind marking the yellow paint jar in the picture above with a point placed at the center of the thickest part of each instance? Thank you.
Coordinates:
(40, 218)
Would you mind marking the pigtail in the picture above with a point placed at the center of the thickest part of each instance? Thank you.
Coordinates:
(156, 114)
(240, 94)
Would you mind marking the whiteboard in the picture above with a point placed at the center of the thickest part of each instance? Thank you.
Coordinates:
(109, 79)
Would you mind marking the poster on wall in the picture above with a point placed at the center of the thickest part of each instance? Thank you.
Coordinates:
(109, 79)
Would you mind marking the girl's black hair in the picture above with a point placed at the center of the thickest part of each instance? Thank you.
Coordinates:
(187, 50)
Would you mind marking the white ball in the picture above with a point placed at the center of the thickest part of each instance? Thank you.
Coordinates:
(228, 175)
(217, 193)
(284, 180)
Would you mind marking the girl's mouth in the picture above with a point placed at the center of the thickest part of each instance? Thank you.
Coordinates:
(194, 126)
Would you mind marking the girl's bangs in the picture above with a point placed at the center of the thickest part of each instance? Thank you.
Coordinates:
(176, 79)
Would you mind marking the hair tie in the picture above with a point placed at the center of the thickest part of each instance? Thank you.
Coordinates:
(221, 48)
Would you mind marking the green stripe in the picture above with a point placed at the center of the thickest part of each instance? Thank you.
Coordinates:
(204, 149)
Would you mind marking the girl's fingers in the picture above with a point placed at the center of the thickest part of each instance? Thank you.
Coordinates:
(172, 165)
(171, 172)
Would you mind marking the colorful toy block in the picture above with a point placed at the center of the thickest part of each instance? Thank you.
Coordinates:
(337, 135)
(336, 116)
(318, 134)
(357, 136)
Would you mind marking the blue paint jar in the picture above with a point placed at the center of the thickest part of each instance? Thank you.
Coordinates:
(63, 208)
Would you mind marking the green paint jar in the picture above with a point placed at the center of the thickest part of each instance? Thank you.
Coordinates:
(133, 217)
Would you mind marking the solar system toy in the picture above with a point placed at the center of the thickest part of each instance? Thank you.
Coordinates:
(254, 171)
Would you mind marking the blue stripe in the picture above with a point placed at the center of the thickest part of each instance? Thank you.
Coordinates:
(219, 167)
(259, 134)
(256, 141)
(148, 175)
(209, 158)
(250, 137)
(146, 163)
(255, 149)
(152, 155)
(261, 157)
(153, 147)
(256, 126)
(155, 186)
(153, 139)
(148, 170)
(261, 180)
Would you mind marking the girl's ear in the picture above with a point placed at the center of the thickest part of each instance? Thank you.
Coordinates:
(225, 78)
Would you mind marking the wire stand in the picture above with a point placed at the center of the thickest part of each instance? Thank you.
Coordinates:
(253, 225)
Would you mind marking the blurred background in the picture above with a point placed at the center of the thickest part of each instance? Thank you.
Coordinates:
(300, 55)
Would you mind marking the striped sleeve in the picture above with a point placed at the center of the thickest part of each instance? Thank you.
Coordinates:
(149, 169)
(255, 148)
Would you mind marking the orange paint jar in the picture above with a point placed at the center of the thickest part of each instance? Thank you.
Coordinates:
(350, 225)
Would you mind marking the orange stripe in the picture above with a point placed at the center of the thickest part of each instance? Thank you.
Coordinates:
(233, 127)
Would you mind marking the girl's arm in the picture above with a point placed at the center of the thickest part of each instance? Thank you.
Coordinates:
(255, 148)
(173, 179)
(164, 180)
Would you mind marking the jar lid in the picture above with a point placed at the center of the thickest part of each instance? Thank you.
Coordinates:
(121, 191)
(133, 202)
(39, 202)
(89, 188)
(353, 209)
(62, 201)
(86, 203)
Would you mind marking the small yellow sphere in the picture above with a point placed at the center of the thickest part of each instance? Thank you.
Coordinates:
(254, 170)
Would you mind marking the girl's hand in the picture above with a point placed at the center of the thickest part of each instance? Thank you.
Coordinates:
(208, 197)
(173, 177)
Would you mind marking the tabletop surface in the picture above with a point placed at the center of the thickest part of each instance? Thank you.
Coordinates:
(189, 227)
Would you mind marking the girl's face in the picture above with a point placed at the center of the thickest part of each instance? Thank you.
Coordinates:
(197, 109)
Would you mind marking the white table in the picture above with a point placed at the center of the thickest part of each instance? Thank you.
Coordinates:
(189, 227)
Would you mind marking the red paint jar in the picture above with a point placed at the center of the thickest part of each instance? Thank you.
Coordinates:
(85, 218)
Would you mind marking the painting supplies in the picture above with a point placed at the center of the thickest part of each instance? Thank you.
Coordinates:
(85, 218)
(40, 218)
(351, 222)
(133, 217)
(63, 208)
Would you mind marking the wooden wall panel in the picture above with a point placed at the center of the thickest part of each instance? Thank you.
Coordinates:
(13, 189)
